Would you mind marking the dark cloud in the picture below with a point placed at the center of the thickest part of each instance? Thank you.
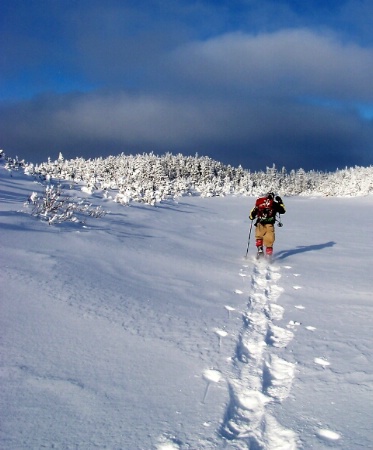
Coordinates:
(253, 135)
(251, 83)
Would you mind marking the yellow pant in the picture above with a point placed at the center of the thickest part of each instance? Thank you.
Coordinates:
(265, 234)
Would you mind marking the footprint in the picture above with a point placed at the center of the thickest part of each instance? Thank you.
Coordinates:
(322, 362)
(279, 337)
(278, 377)
(263, 377)
(274, 311)
(259, 282)
(274, 292)
(278, 437)
(250, 350)
(275, 276)
(247, 410)
(252, 400)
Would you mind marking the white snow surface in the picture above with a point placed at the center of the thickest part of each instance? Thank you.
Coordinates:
(149, 329)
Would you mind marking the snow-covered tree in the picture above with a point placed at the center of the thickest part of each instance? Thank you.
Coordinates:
(149, 178)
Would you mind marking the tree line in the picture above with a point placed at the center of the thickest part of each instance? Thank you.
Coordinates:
(149, 178)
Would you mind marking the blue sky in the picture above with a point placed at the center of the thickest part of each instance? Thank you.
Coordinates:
(250, 82)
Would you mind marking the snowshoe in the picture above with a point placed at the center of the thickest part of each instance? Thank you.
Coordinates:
(260, 253)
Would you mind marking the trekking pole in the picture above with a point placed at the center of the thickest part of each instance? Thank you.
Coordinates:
(248, 242)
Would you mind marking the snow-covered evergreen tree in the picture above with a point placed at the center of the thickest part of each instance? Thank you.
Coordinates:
(149, 178)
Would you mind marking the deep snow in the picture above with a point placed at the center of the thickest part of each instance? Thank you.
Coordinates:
(148, 329)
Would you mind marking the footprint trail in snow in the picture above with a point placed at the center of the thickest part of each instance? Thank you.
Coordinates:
(259, 376)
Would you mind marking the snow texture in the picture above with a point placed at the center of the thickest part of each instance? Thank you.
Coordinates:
(148, 329)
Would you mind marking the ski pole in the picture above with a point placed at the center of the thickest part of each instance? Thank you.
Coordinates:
(248, 242)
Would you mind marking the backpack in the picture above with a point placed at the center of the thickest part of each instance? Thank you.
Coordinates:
(265, 208)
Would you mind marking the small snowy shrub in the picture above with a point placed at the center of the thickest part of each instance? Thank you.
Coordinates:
(13, 163)
(55, 207)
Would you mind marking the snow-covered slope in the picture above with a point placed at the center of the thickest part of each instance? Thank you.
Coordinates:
(148, 329)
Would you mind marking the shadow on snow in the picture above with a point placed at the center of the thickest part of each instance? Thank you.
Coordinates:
(303, 248)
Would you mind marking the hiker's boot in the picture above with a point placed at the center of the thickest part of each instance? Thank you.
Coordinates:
(269, 253)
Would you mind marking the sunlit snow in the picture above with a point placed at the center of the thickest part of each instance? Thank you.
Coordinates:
(128, 333)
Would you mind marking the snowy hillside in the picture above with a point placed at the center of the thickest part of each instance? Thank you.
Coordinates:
(148, 329)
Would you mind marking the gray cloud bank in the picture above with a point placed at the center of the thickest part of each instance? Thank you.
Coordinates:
(292, 97)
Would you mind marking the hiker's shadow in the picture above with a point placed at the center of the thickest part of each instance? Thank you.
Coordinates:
(303, 248)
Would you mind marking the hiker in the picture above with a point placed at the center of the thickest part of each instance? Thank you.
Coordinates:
(265, 211)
